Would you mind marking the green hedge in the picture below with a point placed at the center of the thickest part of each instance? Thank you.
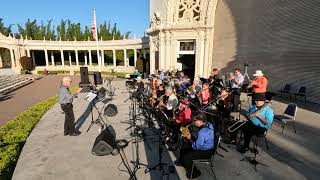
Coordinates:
(54, 72)
(118, 74)
(14, 134)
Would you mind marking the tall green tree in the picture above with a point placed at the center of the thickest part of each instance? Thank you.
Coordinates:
(3, 29)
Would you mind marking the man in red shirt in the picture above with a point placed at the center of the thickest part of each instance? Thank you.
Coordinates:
(259, 86)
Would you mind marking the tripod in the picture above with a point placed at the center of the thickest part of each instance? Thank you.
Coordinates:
(246, 71)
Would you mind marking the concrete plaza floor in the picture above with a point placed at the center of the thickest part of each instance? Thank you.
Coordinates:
(48, 154)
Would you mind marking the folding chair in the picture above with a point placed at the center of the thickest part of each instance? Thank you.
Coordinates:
(217, 140)
(286, 89)
(288, 115)
(302, 92)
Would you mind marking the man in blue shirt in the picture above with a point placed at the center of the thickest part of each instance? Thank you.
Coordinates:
(258, 124)
(200, 148)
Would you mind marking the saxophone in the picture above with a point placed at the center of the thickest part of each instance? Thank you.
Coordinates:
(185, 130)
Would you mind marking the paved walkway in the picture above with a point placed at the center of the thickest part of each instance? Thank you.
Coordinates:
(48, 154)
(20, 99)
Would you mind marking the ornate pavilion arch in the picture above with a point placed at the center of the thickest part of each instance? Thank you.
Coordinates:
(183, 20)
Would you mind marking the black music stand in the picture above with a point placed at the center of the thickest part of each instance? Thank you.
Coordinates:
(91, 97)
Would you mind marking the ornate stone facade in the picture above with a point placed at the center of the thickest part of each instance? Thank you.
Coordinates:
(182, 20)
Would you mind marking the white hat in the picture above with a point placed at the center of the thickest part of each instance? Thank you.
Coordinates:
(138, 78)
(258, 73)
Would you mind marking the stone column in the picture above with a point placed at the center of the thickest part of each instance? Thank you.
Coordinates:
(114, 58)
(33, 59)
(70, 61)
(28, 52)
(1, 64)
(162, 51)
(12, 58)
(168, 52)
(152, 61)
(199, 55)
(102, 58)
(77, 57)
(85, 59)
(52, 58)
(135, 57)
(62, 58)
(144, 53)
(90, 58)
(46, 56)
(125, 57)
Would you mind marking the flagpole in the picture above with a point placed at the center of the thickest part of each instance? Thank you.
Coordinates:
(97, 38)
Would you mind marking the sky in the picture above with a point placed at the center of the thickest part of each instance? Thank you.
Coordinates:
(130, 15)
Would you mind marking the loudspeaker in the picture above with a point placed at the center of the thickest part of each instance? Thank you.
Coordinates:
(111, 110)
(84, 73)
(104, 143)
(97, 78)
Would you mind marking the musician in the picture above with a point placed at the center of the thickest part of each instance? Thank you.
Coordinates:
(224, 103)
(183, 114)
(161, 91)
(161, 75)
(259, 86)
(154, 99)
(261, 121)
(230, 77)
(66, 99)
(216, 82)
(205, 94)
(236, 84)
(181, 117)
(140, 84)
(170, 103)
(200, 147)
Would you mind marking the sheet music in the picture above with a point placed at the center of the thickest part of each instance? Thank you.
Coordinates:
(90, 96)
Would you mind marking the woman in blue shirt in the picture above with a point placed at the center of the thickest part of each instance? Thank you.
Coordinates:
(200, 148)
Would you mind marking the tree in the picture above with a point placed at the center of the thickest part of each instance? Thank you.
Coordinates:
(3, 29)
(66, 30)
(61, 30)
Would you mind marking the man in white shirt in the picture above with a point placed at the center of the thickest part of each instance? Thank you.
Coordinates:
(236, 85)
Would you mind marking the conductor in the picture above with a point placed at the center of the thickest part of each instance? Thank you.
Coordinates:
(65, 100)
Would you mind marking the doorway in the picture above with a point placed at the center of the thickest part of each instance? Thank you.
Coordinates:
(188, 64)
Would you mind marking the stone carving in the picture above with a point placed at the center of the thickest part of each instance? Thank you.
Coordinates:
(156, 19)
(189, 10)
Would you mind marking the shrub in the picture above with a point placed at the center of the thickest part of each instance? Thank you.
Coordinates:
(26, 63)
(14, 134)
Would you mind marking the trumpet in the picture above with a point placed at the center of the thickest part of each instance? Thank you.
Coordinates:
(248, 117)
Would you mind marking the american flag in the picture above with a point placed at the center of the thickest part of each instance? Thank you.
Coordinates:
(94, 30)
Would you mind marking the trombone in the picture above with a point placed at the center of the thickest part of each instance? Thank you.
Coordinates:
(248, 117)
